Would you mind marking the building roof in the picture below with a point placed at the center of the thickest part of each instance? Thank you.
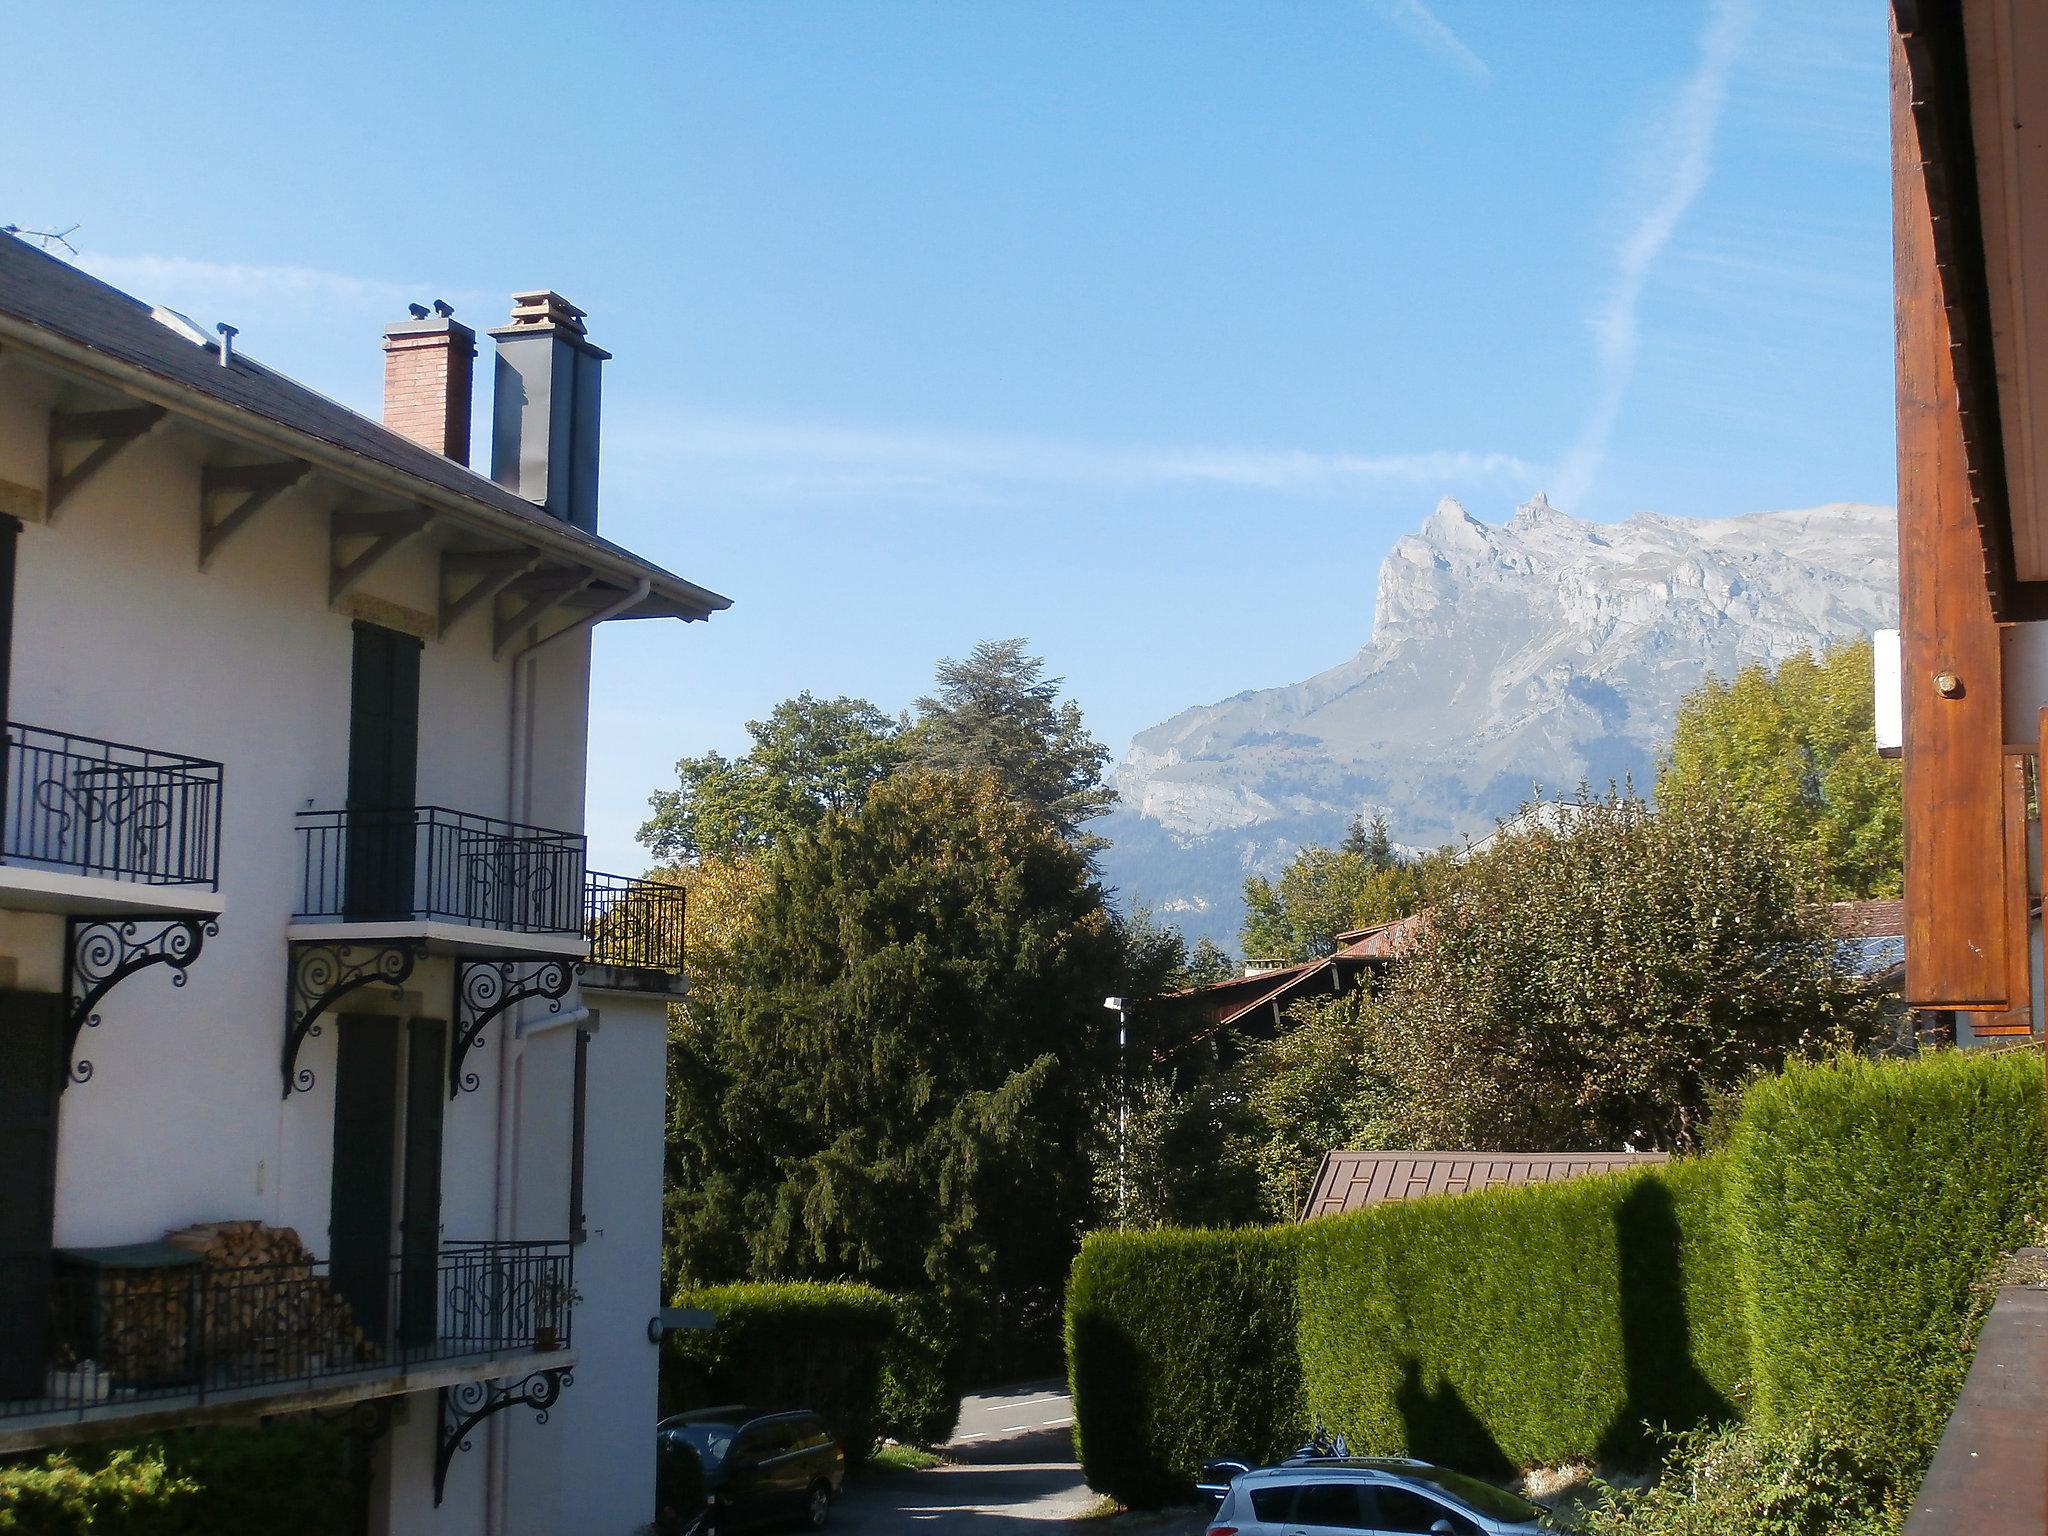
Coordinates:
(52, 308)
(1883, 919)
(1351, 1181)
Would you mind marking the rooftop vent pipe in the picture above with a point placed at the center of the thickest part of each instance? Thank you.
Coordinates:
(228, 333)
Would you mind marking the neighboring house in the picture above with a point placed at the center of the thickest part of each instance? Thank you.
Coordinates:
(1254, 1005)
(1351, 1181)
(301, 958)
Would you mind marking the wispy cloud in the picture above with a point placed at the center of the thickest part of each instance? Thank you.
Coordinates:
(726, 455)
(1682, 159)
(220, 287)
(1422, 24)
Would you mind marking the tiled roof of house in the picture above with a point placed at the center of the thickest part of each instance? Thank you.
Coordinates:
(1351, 1181)
(54, 299)
(1867, 919)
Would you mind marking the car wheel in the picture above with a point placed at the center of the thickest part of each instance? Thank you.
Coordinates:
(818, 1507)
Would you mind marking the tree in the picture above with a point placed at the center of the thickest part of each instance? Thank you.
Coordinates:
(1373, 842)
(1602, 977)
(998, 712)
(1797, 751)
(810, 758)
(898, 1070)
(1328, 891)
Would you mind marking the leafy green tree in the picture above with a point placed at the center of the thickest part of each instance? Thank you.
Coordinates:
(1327, 1082)
(811, 758)
(998, 712)
(1797, 751)
(898, 1068)
(1328, 891)
(1373, 842)
(1602, 977)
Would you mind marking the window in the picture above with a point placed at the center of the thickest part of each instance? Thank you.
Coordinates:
(1271, 1505)
(1409, 1513)
(1330, 1506)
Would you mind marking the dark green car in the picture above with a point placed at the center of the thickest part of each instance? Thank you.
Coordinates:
(755, 1469)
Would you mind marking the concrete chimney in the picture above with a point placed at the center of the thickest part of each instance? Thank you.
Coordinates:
(544, 414)
(429, 362)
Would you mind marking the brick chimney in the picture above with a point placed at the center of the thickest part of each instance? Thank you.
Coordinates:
(429, 363)
(544, 422)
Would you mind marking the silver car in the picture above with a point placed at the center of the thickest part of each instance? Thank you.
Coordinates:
(1311, 1495)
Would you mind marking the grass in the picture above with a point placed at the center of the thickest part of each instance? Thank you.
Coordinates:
(893, 1457)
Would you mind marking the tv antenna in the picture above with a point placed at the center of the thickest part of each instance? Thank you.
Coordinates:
(43, 237)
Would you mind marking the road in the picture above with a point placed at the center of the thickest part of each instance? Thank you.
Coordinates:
(1013, 1465)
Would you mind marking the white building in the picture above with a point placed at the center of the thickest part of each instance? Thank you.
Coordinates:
(295, 924)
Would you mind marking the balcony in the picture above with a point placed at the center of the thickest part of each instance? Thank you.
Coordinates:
(464, 883)
(101, 827)
(635, 928)
(129, 1336)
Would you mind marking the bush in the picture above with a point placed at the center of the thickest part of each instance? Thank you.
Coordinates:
(295, 1474)
(1795, 1481)
(1180, 1346)
(800, 1345)
(1824, 1274)
(1872, 1199)
(1526, 1326)
(923, 1376)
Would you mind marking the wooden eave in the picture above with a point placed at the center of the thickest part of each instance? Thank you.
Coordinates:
(471, 525)
(1985, 157)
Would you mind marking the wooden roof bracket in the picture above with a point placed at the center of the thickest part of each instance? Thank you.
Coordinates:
(385, 532)
(542, 590)
(107, 433)
(493, 571)
(257, 484)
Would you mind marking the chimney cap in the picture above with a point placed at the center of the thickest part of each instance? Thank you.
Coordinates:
(543, 308)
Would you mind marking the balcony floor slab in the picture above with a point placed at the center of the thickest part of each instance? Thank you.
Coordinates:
(444, 938)
(135, 1416)
(31, 888)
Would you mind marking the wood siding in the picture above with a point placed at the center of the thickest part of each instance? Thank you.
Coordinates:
(1957, 898)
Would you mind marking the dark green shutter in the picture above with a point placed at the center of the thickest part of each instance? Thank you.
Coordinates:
(365, 1133)
(420, 1226)
(383, 772)
(31, 1074)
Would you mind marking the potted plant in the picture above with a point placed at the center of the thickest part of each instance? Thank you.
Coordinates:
(554, 1298)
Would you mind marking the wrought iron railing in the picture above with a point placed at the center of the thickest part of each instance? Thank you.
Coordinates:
(631, 923)
(138, 1335)
(91, 807)
(427, 863)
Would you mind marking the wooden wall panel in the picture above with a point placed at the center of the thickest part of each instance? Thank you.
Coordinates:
(1957, 912)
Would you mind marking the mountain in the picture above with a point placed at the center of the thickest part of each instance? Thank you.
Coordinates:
(1543, 651)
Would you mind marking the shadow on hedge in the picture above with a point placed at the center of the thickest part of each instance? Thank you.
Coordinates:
(1662, 1379)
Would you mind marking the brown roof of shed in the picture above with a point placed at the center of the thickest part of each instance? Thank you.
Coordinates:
(1883, 919)
(1351, 1181)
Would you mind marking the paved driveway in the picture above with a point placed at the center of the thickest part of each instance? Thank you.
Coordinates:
(1014, 1474)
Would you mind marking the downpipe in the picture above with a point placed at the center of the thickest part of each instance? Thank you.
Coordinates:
(519, 807)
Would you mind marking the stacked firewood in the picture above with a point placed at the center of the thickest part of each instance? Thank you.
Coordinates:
(266, 1312)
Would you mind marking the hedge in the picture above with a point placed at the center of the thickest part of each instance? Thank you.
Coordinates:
(873, 1364)
(296, 1474)
(1524, 1327)
(1872, 1199)
(1825, 1270)
(1181, 1347)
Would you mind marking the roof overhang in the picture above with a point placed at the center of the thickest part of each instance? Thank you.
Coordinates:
(1982, 118)
(478, 526)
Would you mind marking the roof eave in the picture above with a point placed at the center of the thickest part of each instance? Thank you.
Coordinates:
(670, 596)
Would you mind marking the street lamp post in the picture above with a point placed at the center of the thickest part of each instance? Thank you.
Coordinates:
(1123, 1104)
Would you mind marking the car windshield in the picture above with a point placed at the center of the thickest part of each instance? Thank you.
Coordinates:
(1494, 1503)
(709, 1441)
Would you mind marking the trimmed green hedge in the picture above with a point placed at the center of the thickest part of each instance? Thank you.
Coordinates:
(296, 1474)
(1526, 1326)
(1823, 1270)
(1872, 1199)
(799, 1345)
(1180, 1346)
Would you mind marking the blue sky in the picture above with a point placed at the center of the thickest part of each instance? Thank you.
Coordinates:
(1139, 327)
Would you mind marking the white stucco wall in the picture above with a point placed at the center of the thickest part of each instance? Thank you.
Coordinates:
(119, 634)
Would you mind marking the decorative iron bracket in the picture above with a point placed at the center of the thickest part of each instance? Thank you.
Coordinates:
(101, 953)
(465, 1406)
(485, 989)
(323, 974)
